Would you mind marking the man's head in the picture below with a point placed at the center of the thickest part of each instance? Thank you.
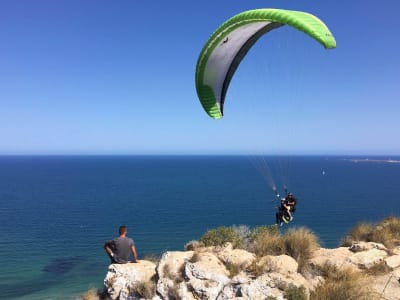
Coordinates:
(123, 230)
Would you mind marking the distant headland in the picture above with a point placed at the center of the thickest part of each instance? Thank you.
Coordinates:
(369, 160)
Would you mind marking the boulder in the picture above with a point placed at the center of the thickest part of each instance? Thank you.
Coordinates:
(337, 257)
(282, 264)
(237, 257)
(393, 261)
(171, 264)
(365, 246)
(122, 278)
(207, 276)
(368, 259)
(170, 270)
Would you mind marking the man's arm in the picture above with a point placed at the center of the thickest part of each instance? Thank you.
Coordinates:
(107, 247)
(134, 254)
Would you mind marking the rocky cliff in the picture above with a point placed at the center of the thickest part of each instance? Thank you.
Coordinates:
(225, 273)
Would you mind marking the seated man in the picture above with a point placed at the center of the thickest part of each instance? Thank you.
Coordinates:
(120, 248)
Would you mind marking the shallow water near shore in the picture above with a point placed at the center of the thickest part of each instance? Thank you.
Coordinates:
(57, 211)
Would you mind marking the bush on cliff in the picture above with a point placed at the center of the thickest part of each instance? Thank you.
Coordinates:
(221, 236)
(300, 244)
(342, 283)
(386, 232)
(266, 240)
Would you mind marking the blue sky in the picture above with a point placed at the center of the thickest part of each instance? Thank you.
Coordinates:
(117, 77)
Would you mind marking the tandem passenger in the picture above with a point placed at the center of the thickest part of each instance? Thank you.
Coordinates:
(120, 248)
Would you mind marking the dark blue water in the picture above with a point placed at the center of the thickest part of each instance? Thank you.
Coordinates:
(56, 212)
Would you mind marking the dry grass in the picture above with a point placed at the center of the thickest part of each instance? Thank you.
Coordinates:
(146, 290)
(195, 257)
(266, 241)
(193, 245)
(233, 269)
(300, 244)
(155, 258)
(257, 268)
(178, 277)
(342, 284)
(380, 268)
(92, 294)
(386, 232)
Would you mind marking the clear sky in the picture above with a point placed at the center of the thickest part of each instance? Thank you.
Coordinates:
(117, 77)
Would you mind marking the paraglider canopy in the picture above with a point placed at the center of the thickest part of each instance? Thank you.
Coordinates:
(229, 44)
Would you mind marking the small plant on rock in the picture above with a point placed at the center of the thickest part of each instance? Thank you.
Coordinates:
(220, 236)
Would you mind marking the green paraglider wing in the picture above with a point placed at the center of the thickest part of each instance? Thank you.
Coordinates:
(229, 44)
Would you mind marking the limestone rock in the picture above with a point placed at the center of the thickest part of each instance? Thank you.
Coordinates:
(393, 261)
(236, 257)
(387, 286)
(207, 276)
(365, 246)
(338, 257)
(121, 278)
(170, 270)
(203, 273)
(367, 259)
(261, 288)
(171, 264)
(282, 264)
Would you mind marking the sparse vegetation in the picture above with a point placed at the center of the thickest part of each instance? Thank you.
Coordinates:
(146, 290)
(266, 240)
(195, 257)
(233, 269)
(177, 277)
(155, 258)
(92, 294)
(256, 269)
(220, 236)
(380, 268)
(300, 244)
(386, 232)
(293, 292)
(193, 245)
(259, 267)
(342, 283)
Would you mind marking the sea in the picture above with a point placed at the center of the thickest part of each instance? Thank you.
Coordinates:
(56, 212)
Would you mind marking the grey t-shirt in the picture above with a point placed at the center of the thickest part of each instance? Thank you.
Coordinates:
(122, 249)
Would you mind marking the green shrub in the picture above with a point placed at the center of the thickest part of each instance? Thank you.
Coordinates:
(220, 236)
(295, 293)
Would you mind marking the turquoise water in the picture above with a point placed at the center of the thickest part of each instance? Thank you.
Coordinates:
(56, 212)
